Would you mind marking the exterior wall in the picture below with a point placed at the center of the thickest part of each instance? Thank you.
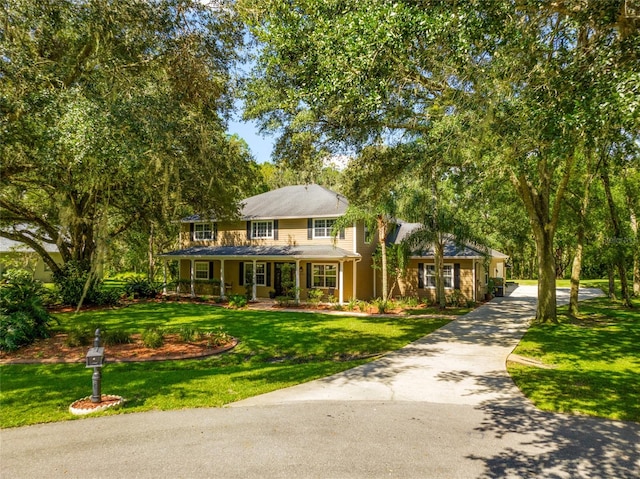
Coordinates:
(497, 268)
(364, 268)
(291, 232)
(408, 286)
(31, 262)
(233, 284)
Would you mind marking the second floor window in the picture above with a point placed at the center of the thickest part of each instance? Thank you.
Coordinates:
(322, 228)
(202, 231)
(262, 229)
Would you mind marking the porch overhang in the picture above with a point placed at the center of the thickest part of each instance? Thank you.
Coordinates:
(262, 252)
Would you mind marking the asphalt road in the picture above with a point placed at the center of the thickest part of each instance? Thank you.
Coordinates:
(443, 407)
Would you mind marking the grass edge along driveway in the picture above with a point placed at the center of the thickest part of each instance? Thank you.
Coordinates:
(276, 350)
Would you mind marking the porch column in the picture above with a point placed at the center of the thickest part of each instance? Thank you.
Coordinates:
(341, 282)
(374, 283)
(254, 292)
(164, 272)
(297, 280)
(223, 291)
(193, 278)
(473, 280)
(353, 275)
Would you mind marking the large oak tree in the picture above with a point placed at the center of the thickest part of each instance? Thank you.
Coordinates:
(113, 115)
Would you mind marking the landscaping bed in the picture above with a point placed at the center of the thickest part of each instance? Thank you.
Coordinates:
(56, 350)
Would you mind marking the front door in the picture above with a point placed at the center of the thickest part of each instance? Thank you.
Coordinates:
(283, 283)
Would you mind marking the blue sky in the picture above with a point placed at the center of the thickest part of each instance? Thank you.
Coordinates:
(260, 146)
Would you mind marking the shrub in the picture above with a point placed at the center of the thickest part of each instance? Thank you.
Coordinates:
(189, 333)
(71, 281)
(142, 288)
(409, 302)
(381, 305)
(152, 338)
(285, 300)
(101, 296)
(79, 336)
(117, 336)
(315, 296)
(457, 298)
(237, 301)
(23, 317)
(352, 304)
(217, 338)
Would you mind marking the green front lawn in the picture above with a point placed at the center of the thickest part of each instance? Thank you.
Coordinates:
(276, 350)
(596, 359)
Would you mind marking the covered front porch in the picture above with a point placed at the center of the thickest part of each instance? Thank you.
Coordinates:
(266, 271)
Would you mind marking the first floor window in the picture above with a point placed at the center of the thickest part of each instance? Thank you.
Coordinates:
(202, 270)
(202, 231)
(430, 276)
(261, 273)
(325, 276)
(447, 276)
(262, 229)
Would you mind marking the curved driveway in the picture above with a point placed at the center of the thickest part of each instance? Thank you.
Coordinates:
(442, 407)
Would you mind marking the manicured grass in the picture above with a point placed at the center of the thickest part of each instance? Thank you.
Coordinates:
(276, 350)
(603, 284)
(597, 361)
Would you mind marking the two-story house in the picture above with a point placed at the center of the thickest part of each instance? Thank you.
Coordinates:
(293, 226)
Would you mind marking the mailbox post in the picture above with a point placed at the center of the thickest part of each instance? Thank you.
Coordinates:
(95, 360)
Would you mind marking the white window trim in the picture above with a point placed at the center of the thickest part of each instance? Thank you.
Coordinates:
(198, 263)
(324, 276)
(325, 227)
(203, 238)
(254, 225)
(433, 266)
(248, 267)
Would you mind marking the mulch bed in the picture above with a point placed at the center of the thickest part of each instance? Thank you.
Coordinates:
(54, 350)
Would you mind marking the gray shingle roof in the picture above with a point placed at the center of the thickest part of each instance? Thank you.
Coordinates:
(451, 249)
(299, 201)
(235, 252)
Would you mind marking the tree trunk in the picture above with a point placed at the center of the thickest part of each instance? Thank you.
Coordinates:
(612, 282)
(617, 233)
(636, 255)
(438, 249)
(382, 238)
(577, 259)
(152, 271)
(546, 309)
(575, 276)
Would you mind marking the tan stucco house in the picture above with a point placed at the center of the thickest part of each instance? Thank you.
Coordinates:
(293, 225)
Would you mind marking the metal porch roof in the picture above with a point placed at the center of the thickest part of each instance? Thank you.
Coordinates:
(272, 252)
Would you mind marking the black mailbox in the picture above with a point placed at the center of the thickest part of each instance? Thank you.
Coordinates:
(95, 358)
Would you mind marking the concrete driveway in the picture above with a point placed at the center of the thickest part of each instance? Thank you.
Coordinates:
(443, 407)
